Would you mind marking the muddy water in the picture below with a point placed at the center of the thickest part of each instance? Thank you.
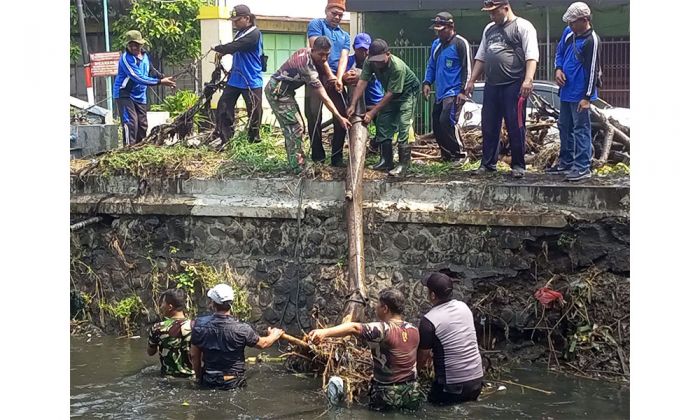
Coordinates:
(114, 378)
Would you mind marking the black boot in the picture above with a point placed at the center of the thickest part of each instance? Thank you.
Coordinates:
(387, 157)
(404, 160)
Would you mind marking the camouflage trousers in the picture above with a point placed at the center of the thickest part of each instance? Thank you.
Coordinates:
(285, 108)
(407, 396)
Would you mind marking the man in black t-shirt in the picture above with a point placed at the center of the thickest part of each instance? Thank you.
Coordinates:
(219, 341)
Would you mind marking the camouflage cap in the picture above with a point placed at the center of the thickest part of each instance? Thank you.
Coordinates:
(133, 36)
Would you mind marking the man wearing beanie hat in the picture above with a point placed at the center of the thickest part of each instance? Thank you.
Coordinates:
(331, 76)
(507, 56)
(219, 341)
(578, 74)
(448, 336)
(245, 78)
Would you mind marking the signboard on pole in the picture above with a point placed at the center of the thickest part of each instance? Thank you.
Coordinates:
(104, 64)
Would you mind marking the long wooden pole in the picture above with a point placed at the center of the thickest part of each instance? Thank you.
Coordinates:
(354, 308)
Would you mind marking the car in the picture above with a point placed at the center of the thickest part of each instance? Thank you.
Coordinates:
(470, 115)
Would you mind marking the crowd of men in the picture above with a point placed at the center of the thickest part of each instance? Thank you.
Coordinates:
(506, 58)
(211, 348)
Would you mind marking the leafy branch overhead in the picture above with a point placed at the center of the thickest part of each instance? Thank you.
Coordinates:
(171, 28)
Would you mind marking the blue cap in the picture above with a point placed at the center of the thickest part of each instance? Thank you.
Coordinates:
(362, 40)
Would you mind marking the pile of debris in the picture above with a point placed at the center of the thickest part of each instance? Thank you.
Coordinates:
(611, 139)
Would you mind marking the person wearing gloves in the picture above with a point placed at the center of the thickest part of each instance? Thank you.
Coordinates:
(130, 86)
(577, 73)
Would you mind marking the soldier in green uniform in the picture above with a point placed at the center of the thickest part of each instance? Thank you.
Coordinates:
(299, 70)
(394, 113)
(171, 337)
(394, 345)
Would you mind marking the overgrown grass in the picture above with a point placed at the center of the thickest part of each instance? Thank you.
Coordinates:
(152, 159)
(267, 156)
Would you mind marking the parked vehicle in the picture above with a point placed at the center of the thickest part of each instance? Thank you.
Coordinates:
(470, 115)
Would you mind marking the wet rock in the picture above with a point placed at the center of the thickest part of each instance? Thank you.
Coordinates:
(271, 316)
(200, 235)
(315, 237)
(421, 242)
(217, 233)
(402, 242)
(212, 247)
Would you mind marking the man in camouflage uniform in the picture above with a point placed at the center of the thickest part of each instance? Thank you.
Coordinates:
(394, 345)
(297, 71)
(171, 337)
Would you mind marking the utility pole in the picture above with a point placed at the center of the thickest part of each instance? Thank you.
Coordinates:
(86, 53)
(108, 80)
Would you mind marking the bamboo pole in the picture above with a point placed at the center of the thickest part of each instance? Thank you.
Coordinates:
(354, 308)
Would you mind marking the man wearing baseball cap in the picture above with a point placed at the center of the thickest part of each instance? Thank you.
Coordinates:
(447, 334)
(449, 67)
(219, 340)
(246, 77)
(394, 113)
(507, 56)
(578, 74)
(130, 86)
(373, 92)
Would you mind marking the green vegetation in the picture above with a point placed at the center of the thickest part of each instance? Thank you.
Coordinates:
(170, 27)
(268, 155)
(152, 160)
(178, 103)
(207, 277)
(124, 310)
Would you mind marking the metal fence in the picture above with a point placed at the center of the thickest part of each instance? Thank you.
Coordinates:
(615, 63)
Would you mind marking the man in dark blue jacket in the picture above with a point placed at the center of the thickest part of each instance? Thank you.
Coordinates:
(449, 68)
(130, 85)
(245, 78)
(577, 73)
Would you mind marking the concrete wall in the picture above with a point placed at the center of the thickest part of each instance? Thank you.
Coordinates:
(291, 255)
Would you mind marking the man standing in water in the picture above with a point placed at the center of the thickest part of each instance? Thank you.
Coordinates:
(393, 342)
(171, 337)
(219, 341)
(448, 336)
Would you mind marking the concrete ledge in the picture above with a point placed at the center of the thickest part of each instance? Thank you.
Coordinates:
(480, 202)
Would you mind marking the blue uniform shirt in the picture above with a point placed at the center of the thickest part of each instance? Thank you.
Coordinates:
(246, 71)
(449, 67)
(579, 58)
(373, 92)
(340, 40)
(132, 79)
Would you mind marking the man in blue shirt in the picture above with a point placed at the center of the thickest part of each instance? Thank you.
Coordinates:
(130, 85)
(449, 67)
(245, 78)
(373, 92)
(331, 76)
(577, 73)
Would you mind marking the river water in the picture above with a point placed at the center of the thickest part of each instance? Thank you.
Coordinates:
(114, 378)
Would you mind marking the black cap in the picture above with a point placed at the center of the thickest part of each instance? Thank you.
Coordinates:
(377, 48)
(493, 4)
(439, 283)
(441, 20)
(240, 10)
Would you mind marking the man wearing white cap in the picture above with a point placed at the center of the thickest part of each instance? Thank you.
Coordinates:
(219, 341)
(578, 74)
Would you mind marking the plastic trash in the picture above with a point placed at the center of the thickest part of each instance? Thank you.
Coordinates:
(335, 391)
(501, 388)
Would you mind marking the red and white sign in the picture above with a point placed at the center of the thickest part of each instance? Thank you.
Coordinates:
(104, 64)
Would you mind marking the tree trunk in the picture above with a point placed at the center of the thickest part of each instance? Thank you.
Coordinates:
(355, 305)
